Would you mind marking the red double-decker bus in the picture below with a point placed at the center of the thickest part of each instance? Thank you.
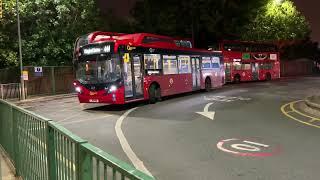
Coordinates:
(133, 67)
(249, 61)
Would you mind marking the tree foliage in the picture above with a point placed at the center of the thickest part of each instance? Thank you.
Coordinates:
(277, 21)
(207, 20)
(48, 28)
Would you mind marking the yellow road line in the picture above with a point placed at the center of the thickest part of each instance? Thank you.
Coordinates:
(313, 120)
(302, 114)
(298, 120)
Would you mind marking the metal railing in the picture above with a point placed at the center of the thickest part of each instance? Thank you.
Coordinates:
(10, 91)
(42, 149)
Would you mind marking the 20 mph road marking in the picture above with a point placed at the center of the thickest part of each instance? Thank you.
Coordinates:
(247, 148)
(126, 147)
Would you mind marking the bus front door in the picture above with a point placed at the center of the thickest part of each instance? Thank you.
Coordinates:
(138, 78)
(133, 76)
(196, 73)
(227, 69)
(255, 71)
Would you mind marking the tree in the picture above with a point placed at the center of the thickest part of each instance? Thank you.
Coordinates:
(206, 20)
(49, 29)
(277, 21)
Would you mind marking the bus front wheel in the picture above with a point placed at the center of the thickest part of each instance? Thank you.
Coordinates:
(154, 94)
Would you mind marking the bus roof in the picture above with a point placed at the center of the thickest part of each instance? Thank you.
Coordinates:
(100, 36)
(156, 41)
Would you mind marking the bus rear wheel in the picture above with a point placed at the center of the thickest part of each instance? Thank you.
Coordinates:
(208, 85)
(237, 79)
(268, 77)
(154, 94)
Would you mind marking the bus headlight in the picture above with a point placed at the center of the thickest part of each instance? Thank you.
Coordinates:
(112, 89)
(78, 89)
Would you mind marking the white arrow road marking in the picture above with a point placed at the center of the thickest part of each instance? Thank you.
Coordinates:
(207, 113)
(126, 146)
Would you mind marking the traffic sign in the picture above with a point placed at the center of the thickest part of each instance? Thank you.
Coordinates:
(25, 75)
(38, 69)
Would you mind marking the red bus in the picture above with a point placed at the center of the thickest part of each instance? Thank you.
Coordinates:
(143, 66)
(250, 61)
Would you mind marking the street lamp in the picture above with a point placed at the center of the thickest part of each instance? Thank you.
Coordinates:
(23, 97)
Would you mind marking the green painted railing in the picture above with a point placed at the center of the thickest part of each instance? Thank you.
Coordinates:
(41, 149)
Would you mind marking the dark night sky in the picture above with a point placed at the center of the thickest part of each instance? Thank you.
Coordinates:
(310, 8)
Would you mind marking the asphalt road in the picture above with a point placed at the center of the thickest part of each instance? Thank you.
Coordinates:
(249, 138)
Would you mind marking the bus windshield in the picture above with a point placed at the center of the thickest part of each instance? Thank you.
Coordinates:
(103, 70)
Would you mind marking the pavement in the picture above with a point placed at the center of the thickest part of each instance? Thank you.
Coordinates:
(6, 172)
(247, 131)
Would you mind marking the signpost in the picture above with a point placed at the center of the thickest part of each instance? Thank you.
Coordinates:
(23, 95)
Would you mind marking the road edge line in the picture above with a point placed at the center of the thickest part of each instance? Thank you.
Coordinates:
(126, 146)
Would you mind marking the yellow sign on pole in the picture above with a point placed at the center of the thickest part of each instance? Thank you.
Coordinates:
(126, 58)
(25, 75)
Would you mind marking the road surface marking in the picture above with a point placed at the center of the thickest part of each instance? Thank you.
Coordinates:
(69, 117)
(84, 120)
(296, 119)
(126, 146)
(226, 98)
(314, 120)
(257, 144)
(207, 113)
(302, 114)
(246, 148)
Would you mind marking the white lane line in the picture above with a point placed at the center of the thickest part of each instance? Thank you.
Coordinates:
(126, 146)
(84, 120)
(69, 117)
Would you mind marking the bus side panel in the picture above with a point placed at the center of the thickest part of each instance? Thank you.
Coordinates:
(215, 75)
(170, 84)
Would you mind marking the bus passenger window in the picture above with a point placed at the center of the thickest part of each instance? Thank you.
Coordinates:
(246, 66)
(206, 62)
(170, 64)
(152, 61)
(215, 62)
(236, 65)
(184, 64)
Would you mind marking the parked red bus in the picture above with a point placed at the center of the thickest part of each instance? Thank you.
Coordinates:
(143, 66)
(249, 61)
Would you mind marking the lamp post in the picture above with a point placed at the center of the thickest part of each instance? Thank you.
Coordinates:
(23, 95)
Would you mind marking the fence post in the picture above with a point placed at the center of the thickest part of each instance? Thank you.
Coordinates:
(52, 175)
(85, 164)
(53, 81)
(2, 93)
(16, 157)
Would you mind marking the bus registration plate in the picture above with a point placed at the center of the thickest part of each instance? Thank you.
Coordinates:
(94, 100)
(93, 93)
